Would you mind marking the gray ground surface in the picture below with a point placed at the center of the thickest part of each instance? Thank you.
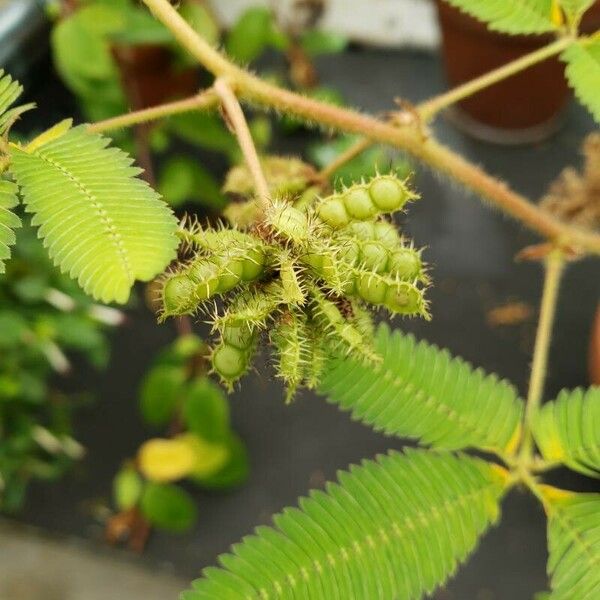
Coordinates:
(38, 567)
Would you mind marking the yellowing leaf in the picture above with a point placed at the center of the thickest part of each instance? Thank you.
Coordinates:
(166, 460)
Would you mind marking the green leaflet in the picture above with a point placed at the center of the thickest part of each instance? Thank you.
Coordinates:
(583, 73)
(511, 16)
(99, 222)
(419, 391)
(10, 90)
(394, 528)
(8, 220)
(568, 430)
(574, 544)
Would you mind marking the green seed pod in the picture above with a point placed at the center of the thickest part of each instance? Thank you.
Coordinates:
(205, 275)
(388, 193)
(178, 295)
(406, 299)
(251, 308)
(362, 320)
(358, 203)
(372, 287)
(292, 292)
(325, 263)
(230, 363)
(317, 356)
(239, 336)
(308, 197)
(361, 230)
(291, 343)
(329, 317)
(230, 273)
(386, 233)
(286, 176)
(253, 264)
(289, 223)
(333, 212)
(406, 264)
(374, 256)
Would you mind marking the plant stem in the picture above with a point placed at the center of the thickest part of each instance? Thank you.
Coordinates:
(429, 109)
(203, 100)
(554, 266)
(410, 139)
(236, 117)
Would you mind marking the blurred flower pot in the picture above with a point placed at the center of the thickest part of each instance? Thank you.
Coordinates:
(524, 108)
(150, 77)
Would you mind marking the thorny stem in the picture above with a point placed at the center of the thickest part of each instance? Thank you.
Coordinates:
(554, 266)
(236, 118)
(409, 138)
(203, 100)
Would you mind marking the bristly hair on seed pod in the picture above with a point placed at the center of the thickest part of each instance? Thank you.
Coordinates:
(291, 343)
(305, 277)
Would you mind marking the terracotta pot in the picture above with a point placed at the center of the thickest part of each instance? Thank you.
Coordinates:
(149, 76)
(523, 108)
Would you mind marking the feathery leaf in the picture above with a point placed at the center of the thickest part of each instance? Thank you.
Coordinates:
(10, 90)
(510, 16)
(394, 528)
(574, 544)
(568, 430)
(100, 223)
(8, 220)
(419, 391)
(583, 73)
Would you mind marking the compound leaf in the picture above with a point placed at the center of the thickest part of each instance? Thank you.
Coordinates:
(394, 528)
(583, 73)
(573, 543)
(419, 391)
(511, 16)
(8, 220)
(567, 430)
(99, 222)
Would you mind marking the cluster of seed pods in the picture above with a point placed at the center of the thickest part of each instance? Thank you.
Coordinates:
(303, 278)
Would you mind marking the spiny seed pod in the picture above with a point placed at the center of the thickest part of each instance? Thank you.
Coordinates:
(289, 223)
(317, 357)
(231, 358)
(326, 263)
(381, 231)
(291, 284)
(226, 247)
(251, 308)
(178, 295)
(330, 318)
(362, 202)
(286, 176)
(398, 296)
(290, 340)
(230, 363)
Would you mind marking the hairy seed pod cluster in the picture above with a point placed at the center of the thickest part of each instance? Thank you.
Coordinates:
(304, 277)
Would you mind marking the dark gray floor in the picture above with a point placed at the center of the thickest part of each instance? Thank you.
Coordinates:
(470, 248)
